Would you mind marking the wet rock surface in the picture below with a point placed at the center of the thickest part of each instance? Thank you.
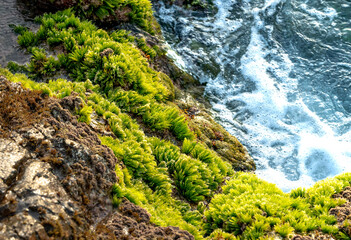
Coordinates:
(194, 5)
(55, 177)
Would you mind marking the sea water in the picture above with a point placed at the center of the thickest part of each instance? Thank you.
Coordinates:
(278, 75)
(13, 12)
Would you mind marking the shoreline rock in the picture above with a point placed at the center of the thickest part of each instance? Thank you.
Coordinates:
(56, 178)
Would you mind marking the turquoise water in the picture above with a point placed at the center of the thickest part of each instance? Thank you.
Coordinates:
(278, 75)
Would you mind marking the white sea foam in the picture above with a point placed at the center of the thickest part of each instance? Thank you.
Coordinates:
(222, 23)
(292, 144)
(330, 13)
(278, 177)
(178, 60)
(280, 130)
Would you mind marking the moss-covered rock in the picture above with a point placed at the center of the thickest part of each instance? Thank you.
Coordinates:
(105, 12)
(56, 177)
(130, 128)
(212, 134)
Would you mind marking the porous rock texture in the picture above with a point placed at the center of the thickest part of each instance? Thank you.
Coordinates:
(55, 176)
(132, 222)
(343, 212)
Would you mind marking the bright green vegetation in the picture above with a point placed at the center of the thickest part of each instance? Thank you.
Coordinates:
(174, 180)
(84, 114)
(252, 208)
(150, 52)
(111, 60)
(136, 11)
(164, 210)
(194, 178)
(91, 53)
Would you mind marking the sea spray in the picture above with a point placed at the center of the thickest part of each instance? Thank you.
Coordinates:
(278, 76)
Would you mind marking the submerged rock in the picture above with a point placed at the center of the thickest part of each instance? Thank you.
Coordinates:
(197, 5)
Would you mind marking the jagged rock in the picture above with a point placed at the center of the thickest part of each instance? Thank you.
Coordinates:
(134, 225)
(343, 213)
(11, 154)
(56, 177)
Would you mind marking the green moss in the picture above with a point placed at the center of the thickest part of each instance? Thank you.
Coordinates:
(252, 208)
(148, 51)
(167, 82)
(156, 115)
(115, 11)
(41, 65)
(195, 180)
(91, 53)
(84, 114)
(113, 62)
(164, 210)
(27, 39)
(284, 230)
(15, 67)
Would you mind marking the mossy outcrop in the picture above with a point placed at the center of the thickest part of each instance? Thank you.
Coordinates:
(126, 147)
(56, 177)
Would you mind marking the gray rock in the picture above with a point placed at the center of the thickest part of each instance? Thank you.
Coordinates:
(11, 154)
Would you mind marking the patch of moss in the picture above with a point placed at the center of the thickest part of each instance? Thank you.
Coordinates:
(84, 114)
(114, 11)
(164, 210)
(252, 208)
